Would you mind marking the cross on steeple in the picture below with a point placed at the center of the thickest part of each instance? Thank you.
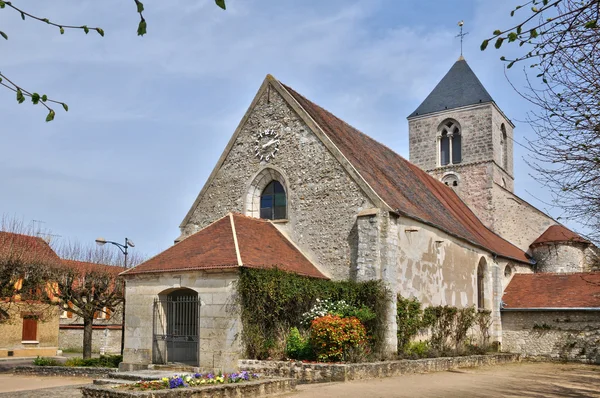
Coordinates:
(461, 35)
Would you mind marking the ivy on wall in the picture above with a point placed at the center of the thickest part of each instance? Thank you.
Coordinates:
(273, 301)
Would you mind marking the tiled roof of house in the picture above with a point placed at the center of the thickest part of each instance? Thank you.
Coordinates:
(460, 87)
(404, 186)
(545, 290)
(558, 233)
(232, 241)
(26, 249)
(84, 266)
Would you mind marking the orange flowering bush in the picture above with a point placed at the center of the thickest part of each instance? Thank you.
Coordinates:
(333, 337)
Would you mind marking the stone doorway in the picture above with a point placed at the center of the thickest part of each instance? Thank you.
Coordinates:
(176, 328)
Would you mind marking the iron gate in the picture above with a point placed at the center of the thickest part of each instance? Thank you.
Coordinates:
(176, 329)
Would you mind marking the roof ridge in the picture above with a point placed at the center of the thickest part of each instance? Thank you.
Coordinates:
(238, 255)
(390, 183)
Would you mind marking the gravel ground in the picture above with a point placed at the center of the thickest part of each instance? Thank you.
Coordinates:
(513, 380)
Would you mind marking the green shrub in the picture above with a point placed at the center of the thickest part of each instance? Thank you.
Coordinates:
(334, 338)
(298, 347)
(409, 320)
(43, 361)
(105, 361)
(273, 301)
(417, 350)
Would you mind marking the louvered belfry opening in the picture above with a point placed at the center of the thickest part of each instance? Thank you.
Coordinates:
(176, 328)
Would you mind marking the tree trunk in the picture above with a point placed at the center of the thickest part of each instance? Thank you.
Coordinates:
(87, 337)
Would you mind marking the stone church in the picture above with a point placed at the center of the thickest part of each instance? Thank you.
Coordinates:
(300, 189)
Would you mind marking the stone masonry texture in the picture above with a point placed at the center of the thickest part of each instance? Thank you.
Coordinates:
(564, 335)
(323, 200)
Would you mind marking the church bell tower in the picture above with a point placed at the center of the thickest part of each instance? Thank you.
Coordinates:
(461, 137)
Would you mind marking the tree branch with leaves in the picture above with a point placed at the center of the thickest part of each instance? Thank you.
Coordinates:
(23, 94)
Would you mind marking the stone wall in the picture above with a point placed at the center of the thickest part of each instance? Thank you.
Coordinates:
(476, 130)
(561, 257)
(565, 335)
(64, 371)
(323, 200)
(46, 343)
(516, 220)
(308, 373)
(104, 339)
(439, 269)
(251, 389)
(220, 326)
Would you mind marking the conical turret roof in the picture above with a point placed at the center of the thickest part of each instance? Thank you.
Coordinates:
(460, 87)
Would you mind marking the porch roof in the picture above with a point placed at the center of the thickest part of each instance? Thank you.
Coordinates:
(232, 241)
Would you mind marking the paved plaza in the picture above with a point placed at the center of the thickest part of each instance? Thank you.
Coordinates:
(513, 380)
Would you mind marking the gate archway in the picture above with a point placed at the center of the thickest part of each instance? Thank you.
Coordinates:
(176, 327)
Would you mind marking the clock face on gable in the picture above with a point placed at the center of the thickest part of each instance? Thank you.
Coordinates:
(266, 145)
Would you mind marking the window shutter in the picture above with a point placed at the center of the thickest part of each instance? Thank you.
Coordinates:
(69, 313)
(29, 328)
(108, 314)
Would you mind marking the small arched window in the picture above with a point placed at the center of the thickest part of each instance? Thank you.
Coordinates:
(503, 147)
(451, 180)
(273, 202)
(450, 143)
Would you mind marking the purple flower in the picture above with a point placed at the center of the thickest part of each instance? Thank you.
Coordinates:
(176, 382)
(210, 376)
(198, 375)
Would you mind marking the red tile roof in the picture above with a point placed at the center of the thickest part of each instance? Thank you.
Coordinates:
(544, 290)
(84, 266)
(558, 233)
(260, 244)
(404, 186)
(26, 249)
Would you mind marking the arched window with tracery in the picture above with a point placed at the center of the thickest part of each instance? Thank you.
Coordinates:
(503, 147)
(450, 143)
(273, 202)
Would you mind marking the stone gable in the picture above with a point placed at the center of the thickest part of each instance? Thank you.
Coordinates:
(323, 200)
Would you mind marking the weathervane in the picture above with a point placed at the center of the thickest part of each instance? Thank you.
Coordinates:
(461, 35)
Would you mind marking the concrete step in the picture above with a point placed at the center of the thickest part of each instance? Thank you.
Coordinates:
(145, 375)
(103, 382)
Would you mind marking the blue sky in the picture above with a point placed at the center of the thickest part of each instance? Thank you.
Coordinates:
(149, 117)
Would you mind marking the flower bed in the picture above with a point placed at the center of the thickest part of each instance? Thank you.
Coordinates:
(191, 380)
(239, 389)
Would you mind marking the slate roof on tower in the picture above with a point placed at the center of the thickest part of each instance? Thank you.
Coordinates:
(403, 186)
(230, 242)
(460, 87)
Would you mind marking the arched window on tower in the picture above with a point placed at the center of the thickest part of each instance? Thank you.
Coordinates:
(503, 147)
(450, 143)
(273, 202)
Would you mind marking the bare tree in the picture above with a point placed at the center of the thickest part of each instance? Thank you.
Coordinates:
(88, 284)
(26, 264)
(43, 99)
(561, 38)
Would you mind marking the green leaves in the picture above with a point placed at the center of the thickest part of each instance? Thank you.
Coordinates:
(100, 31)
(4, 35)
(20, 96)
(591, 24)
(484, 44)
(85, 29)
(140, 6)
(50, 116)
(221, 3)
(65, 107)
(499, 42)
(141, 30)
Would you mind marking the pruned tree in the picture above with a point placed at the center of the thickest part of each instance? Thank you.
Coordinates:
(42, 99)
(89, 284)
(561, 39)
(26, 264)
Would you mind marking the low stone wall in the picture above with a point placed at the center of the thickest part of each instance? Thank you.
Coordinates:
(107, 339)
(306, 373)
(555, 335)
(250, 389)
(71, 371)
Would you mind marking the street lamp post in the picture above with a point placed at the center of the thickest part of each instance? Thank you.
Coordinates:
(123, 248)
